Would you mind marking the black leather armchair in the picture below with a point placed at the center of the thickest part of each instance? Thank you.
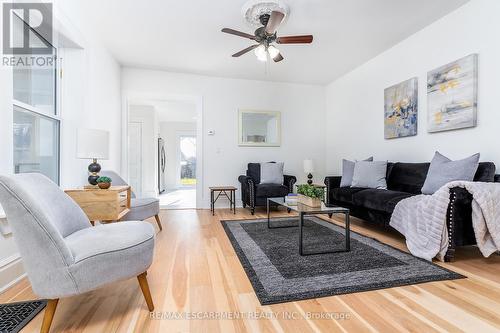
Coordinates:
(254, 194)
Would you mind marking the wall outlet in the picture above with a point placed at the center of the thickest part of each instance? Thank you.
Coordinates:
(211, 132)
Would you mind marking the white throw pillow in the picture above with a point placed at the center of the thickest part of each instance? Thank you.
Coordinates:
(348, 171)
(271, 173)
(370, 174)
(443, 170)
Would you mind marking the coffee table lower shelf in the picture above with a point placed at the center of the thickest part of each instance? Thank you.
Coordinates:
(303, 211)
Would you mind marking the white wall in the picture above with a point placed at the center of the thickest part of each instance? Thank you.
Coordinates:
(169, 132)
(302, 108)
(355, 102)
(91, 98)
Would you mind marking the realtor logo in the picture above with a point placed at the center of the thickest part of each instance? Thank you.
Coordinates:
(31, 16)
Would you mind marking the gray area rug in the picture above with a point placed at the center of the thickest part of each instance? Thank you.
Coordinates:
(279, 274)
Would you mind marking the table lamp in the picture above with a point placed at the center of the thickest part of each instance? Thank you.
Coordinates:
(309, 169)
(93, 144)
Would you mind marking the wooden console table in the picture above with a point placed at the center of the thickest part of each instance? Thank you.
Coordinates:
(103, 205)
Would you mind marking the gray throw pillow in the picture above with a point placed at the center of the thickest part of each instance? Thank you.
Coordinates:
(370, 174)
(443, 170)
(348, 171)
(271, 173)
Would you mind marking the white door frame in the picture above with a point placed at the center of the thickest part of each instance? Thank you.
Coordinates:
(136, 98)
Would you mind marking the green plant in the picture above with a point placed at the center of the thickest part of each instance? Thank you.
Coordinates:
(310, 191)
(104, 180)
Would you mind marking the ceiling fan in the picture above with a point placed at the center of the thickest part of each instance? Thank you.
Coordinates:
(266, 36)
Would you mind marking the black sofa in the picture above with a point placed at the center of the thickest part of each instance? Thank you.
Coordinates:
(254, 194)
(405, 180)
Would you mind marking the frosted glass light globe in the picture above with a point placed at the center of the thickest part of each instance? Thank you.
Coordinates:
(273, 51)
(261, 53)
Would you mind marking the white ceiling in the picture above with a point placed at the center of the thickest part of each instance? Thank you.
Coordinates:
(184, 36)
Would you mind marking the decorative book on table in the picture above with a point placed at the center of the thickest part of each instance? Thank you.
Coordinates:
(291, 199)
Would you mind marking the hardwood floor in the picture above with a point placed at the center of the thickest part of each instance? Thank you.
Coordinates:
(196, 272)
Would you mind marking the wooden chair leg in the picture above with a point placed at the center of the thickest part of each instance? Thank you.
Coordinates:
(50, 309)
(143, 283)
(158, 222)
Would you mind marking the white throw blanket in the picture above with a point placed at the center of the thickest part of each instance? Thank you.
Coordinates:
(422, 219)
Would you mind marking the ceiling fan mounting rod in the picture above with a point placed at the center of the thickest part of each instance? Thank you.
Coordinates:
(264, 18)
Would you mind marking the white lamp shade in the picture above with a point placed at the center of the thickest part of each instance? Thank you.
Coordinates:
(92, 143)
(308, 166)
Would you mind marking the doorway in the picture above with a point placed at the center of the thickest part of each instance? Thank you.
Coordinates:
(184, 194)
(171, 163)
(181, 168)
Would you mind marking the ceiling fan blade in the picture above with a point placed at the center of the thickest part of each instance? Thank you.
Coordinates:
(238, 33)
(306, 39)
(278, 58)
(274, 22)
(248, 49)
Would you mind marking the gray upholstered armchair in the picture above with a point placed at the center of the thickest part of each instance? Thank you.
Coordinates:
(140, 208)
(64, 255)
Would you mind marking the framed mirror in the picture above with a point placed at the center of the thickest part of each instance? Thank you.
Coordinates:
(259, 128)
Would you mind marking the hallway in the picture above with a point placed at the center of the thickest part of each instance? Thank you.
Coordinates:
(178, 199)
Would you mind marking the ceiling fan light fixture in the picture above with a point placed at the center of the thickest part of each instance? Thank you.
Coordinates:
(268, 16)
(261, 53)
(273, 51)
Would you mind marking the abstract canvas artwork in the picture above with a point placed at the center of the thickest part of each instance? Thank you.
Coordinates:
(452, 95)
(401, 109)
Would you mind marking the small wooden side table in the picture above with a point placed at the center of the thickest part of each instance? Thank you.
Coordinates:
(103, 205)
(223, 190)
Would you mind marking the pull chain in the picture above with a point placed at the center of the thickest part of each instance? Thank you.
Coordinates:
(267, 65)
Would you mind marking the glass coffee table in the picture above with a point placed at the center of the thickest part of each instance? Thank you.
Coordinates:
(304, 210)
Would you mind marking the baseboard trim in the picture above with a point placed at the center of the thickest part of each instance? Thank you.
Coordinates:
(11, 271)
(205, 206)
(149, 194)
(12, 283)
(8, 260)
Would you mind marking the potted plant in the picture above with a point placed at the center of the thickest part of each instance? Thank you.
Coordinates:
(309, 195)
(104, 182)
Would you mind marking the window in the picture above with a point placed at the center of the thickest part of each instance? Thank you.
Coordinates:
(36, 143)
(35, 120)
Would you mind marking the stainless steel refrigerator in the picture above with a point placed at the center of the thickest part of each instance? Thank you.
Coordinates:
(162, 160)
